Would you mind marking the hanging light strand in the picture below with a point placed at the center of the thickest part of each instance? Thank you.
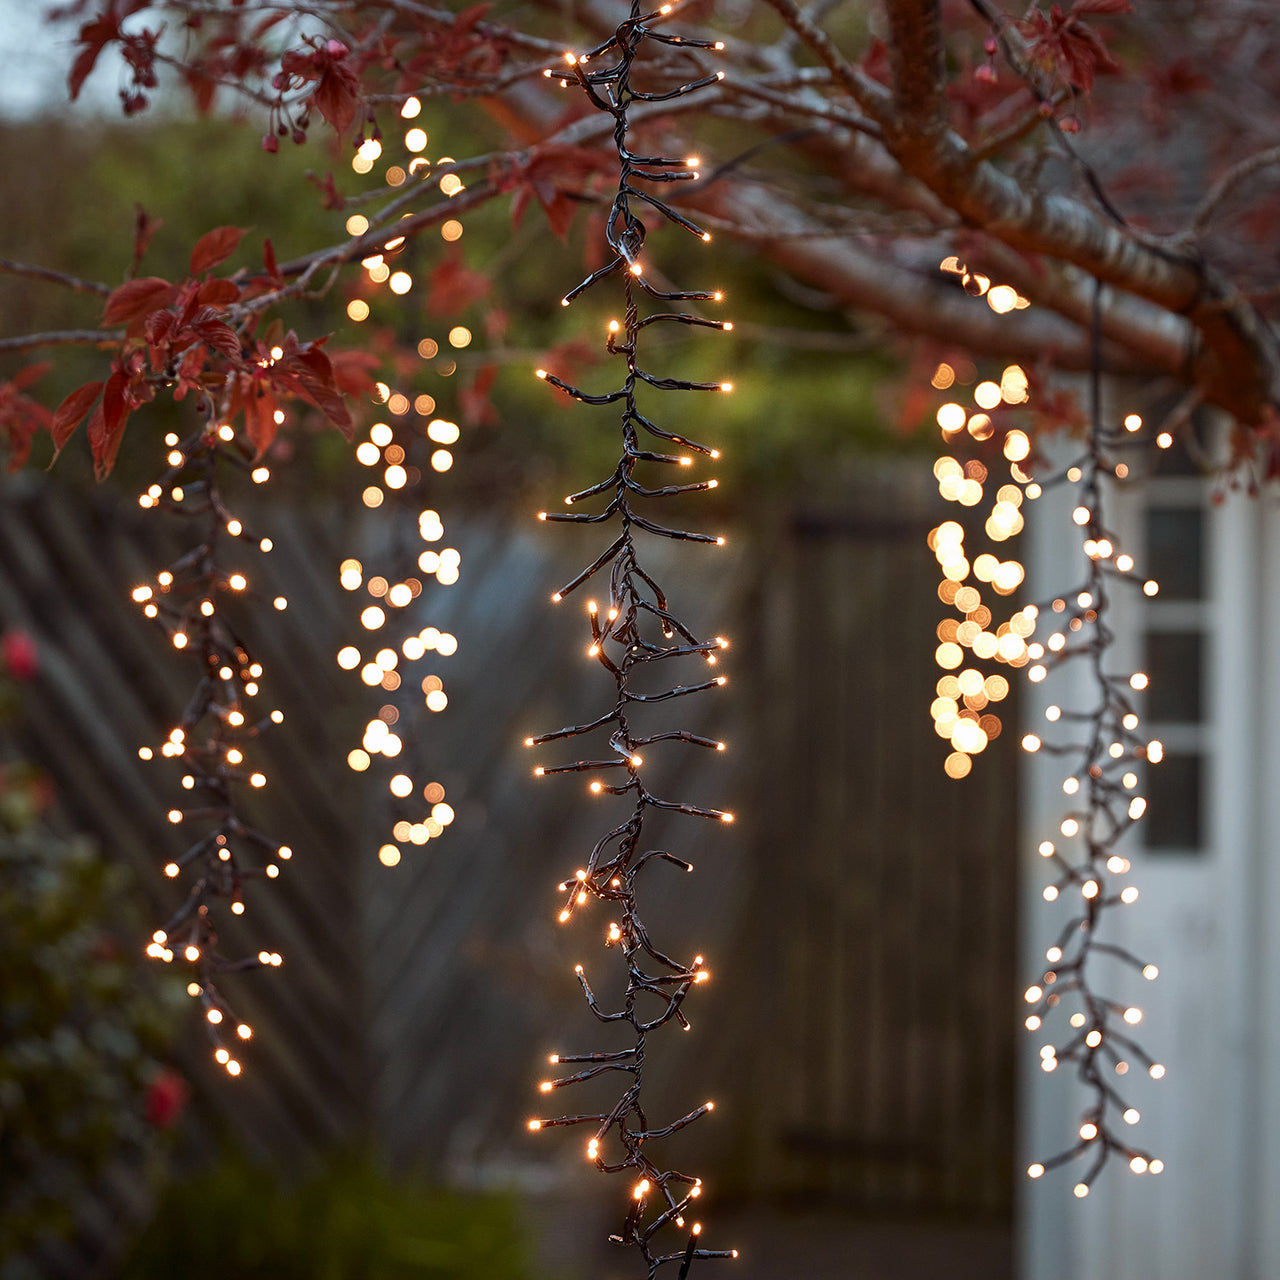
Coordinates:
(635, 630)
(218, 728)
(403, 453)
(1104, 748)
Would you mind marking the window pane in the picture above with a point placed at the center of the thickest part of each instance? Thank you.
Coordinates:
(1174, 665)
(1173, 821)
(1175, 551)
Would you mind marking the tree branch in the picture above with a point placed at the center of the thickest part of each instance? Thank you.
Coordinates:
(917, 302)
(376, 241)
(873, 98)
(54, 277)
(63, 338)
(917, 68)
(1227, 184)
(1236, 357)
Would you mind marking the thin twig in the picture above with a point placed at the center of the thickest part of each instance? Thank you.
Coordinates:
(63, 338)
(873, 98)
(1227, 184)
(54, 277)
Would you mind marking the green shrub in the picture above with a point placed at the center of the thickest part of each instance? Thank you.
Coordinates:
(79, 1027)
(81, 1019)
(348, 1220)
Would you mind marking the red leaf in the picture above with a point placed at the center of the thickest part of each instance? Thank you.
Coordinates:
(876, 62)
(25, 377)
(914, 408)
(157, 331)
(260, 420)
(332, 405)
(1083, 52)
(474, 400)
(519, 203)
(187, 297)
(219, 335)
(307, 372)
(353, 371)
(69, 414)
(337, 96)
(569, 357)
(454, 286)
(333, 198)
(269, 262)
(317, 386)
(1180, 76)
(274, 335)
(214, 247)
(495, 323)
(144, 228)
(95, 36)
(559, 210)
(217, 293)
(137, 298)
(1102, 6)
(267, 23)
(104, 443)
(202, 85)
(1067, 45)
(114, 408)
(593, 241)
(552, 173)
(468, 18)
(20, 416)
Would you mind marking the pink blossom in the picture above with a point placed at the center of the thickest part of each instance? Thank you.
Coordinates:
(18, 655)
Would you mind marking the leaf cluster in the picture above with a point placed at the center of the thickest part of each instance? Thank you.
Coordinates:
(823, 173)
(350, 1219)
(80, 1026)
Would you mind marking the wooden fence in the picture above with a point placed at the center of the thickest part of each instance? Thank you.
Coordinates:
(858, 918)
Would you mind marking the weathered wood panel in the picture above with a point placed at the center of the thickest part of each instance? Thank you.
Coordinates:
(885, 931)
(858, 918)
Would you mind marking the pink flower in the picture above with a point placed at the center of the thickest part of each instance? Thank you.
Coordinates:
(166, 1097)
(18, 655)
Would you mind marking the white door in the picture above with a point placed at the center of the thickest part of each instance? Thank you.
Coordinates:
(1206, 860)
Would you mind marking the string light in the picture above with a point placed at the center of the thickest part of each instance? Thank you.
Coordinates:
(218, 728)
(398, 458)
(638, 629)
(1100, 749)
(1106, 741)
(964, 711)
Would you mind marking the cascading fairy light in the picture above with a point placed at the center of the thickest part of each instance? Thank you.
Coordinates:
(1103, 755)
(634, 630)
(404, 457)
(962, 710)
(1104, 751)
(215, 736)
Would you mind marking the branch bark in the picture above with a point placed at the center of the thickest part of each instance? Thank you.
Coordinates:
(63, 338)
(54, 277)
(930, 305)
(1234, 357)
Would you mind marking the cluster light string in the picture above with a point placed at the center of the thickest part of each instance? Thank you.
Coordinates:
(964, 711)
(636, 632)
(1104, 750)
(400, 455)
(216, 733)
(1101, 744)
